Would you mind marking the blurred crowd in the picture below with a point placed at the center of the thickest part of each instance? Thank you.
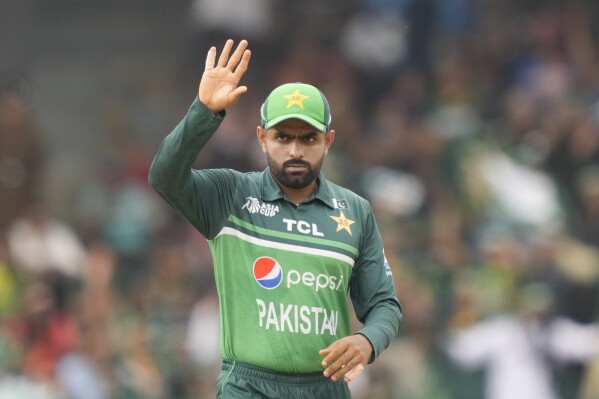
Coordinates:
(472, 126)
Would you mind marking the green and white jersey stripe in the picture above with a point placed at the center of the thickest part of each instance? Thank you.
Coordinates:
(287, 247)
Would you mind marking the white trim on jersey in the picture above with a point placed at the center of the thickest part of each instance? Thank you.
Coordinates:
(287, 247)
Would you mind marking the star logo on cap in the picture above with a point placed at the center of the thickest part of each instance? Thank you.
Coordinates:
(343, 223)
(295, 98)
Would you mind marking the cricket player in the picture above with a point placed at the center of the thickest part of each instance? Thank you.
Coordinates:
(288, 245)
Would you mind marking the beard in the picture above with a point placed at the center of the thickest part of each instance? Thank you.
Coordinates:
(295, 180)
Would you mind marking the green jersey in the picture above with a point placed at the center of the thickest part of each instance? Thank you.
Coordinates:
(283, 271)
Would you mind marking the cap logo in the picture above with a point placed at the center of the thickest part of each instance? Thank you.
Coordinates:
(296, 98)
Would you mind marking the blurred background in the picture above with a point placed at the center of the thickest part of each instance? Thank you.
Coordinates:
(471, 125)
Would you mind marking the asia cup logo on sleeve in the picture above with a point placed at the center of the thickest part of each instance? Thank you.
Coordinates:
(267, 272)
(387, 266)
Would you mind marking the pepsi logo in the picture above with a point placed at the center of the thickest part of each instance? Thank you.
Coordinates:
(267, 272)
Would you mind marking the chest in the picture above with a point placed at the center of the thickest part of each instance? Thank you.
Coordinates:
(312, 223)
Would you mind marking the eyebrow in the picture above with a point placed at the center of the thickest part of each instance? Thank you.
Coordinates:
(300, 135)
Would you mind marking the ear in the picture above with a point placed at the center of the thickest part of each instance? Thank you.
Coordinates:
(261, 135)
(329, 137)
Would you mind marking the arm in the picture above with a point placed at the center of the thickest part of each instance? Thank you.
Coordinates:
(373, 292)
(573, 341)
(479, 344)
(373, 295)
(192, 192)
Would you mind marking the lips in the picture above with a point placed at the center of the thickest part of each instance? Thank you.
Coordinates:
(294, 168)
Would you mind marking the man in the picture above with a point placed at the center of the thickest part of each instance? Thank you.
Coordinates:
(287, 244)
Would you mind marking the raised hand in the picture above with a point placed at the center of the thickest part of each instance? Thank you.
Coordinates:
(219, 85)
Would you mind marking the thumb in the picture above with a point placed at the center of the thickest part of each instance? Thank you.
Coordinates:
(237, 93)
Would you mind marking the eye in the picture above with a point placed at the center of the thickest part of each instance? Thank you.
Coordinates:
(309, 138)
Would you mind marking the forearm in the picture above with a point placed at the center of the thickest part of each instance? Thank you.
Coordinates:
(373, 291)
(170, 172)
(382, 325)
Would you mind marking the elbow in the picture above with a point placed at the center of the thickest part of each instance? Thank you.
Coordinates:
(155, 178)
(399, 315)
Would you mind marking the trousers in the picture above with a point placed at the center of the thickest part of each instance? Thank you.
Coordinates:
(245, 381)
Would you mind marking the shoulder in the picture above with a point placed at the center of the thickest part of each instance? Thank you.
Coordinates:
(228, 176)
(232, 173)
(343, 197)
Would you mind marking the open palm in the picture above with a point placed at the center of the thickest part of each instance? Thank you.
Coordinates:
(219, 85)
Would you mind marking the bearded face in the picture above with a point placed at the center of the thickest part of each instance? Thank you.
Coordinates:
(295, 152)
(295, 173)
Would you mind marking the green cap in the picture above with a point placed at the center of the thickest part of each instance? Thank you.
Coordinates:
(296, 100)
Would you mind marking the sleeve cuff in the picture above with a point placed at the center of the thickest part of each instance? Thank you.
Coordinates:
(373, 355)
(197, 103)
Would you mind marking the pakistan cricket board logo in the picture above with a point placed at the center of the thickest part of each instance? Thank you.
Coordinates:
(254, 206)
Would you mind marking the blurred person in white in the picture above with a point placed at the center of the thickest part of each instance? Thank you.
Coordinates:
(519, 350)
(38, 242)
(79, 378)
(18, 387)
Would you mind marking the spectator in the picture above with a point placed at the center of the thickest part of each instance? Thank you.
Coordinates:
(518, 350)
(21, 153)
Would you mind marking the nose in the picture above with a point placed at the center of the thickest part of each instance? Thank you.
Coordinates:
(295, 149)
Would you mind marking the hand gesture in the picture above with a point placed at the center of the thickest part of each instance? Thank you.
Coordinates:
(346, 357)
(218, 87)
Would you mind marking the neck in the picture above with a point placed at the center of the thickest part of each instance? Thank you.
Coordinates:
(297, 195)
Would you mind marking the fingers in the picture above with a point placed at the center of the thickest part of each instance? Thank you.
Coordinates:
(210, 58)
(224, 56)
(218, 86)
(330, 355)
(345, 358)
(341, 366)
(236, 63)
(243, 65)
(354, 373)
(350, 370)
(339, 362)
(237, 93)
(236, 57)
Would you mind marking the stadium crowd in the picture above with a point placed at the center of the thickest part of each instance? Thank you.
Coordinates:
(472, 127)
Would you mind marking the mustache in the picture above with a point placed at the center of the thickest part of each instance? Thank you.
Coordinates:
(297, 162)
